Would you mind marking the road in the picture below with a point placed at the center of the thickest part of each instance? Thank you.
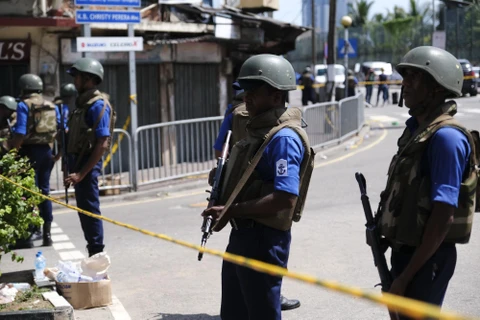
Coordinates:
(155, 279)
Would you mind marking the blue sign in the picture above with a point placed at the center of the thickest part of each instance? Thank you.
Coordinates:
(90, 16)
(109, 3)
(352, 48)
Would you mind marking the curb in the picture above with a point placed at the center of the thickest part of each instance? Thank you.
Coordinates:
(62, 313)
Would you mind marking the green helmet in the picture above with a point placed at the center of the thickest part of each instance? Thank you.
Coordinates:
(438, 63)
(272, 69)
(67, 90)
(87, 65)
(9, 102)
(30, 82)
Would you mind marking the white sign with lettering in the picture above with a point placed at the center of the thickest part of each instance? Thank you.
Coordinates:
(109, 44)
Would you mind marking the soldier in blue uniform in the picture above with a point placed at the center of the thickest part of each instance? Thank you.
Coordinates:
(90, 127)
(34, 134)
(262, 216)
(227, 124)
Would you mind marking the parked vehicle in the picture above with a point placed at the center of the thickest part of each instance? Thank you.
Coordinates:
(361, 69)
(469, 84)
(476, 70)
(321, 74)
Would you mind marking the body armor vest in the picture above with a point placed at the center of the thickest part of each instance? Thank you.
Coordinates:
(42, 120)
(243, 152)
(406, 202)
(81, 137)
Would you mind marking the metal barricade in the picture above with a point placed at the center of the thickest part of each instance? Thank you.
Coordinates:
(349, 115)
(323, 123)
(116, 170)
(175, 149)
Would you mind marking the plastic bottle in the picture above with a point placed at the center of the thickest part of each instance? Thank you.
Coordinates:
(40, 263)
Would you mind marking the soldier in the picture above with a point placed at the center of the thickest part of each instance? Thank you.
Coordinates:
(265, 207)
(236, 118)
(34, 133)
(8, 107)
(90, 129)
(308, 92)
(67, 91)
(427, 205)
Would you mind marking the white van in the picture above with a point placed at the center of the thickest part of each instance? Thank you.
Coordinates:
(321, 74)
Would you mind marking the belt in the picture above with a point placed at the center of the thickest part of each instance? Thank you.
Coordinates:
(243, 223)
(410, 249)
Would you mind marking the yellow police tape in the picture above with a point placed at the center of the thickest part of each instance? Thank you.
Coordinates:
(390, 82)
(412, 308)
(115, 146)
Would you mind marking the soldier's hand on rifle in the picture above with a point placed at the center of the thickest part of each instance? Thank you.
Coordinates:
(214, 212)
(73, 179)
(211, 176)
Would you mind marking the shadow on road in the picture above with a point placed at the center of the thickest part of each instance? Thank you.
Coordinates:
(165, 316)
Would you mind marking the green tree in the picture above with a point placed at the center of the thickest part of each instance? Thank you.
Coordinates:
(360, 12)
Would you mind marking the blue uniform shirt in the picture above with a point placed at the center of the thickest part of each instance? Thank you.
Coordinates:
(445, 162)
(281, 160)
(226, 125)
(104, 123)
(20, 126)
(65, 110)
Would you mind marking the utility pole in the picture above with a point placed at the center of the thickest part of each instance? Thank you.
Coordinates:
(314, 37)
(331, 48)
(433, 17)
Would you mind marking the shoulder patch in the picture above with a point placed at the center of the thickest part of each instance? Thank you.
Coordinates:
(282, 168)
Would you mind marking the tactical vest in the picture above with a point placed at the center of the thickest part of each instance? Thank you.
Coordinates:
(243, 152)
(406, 202)
(6, 134)
(240, 119)
(81, 137)
(42, 120)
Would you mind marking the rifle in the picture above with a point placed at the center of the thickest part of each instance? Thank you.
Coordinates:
(64, 147)
(10, 128)
(214, 194)
(373, 236)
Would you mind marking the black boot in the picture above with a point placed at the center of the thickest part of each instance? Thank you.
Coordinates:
(288, 304)
(47, 237)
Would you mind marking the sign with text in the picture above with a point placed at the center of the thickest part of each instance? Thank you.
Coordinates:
(105, 16)
(15, 51)
(109, 44)
(109, 3)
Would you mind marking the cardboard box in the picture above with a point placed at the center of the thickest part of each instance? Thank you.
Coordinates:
(85, 295)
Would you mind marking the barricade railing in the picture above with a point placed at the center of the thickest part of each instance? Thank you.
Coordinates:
(116, 172)
(183, 148)
(176, 149)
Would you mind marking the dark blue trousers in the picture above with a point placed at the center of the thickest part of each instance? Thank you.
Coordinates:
(431, 282)
(87, 197)
(248, 294)
(40, 157)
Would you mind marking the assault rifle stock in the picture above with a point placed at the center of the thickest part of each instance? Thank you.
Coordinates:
(373, 237)
(214, 193)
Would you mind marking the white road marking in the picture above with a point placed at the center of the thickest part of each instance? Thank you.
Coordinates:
(71, 255)
(63, 246)
(60, 237)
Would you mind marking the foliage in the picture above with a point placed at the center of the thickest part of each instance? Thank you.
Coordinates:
(18, 207)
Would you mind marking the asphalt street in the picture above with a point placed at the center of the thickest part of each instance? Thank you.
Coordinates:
(155, 279)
